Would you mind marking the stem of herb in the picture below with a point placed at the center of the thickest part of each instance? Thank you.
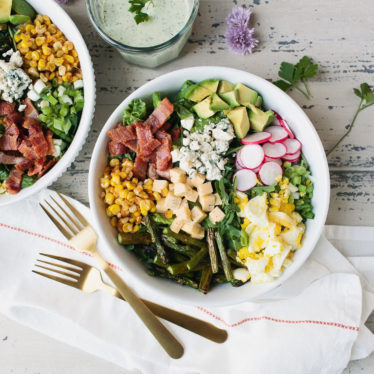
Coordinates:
(306, 87)
(300, 90)
(350, 127)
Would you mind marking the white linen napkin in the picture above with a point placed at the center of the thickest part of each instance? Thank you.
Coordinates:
(314, 323)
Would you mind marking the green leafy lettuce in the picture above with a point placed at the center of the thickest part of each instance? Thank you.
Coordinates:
(135, 111)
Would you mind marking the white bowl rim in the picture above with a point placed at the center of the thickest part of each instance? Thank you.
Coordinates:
(188, 74)
(67, 26)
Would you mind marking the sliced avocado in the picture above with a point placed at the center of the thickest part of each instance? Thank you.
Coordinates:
(260, 119)
(24, 8)
(196, 93)
(5, 8)
(210, 84)
(225, 86)
(218, 104)
(202, 109)
(18, 19)
(259, 101)
(240, 121)
(231, 98)
(246, 95)
(226, 111)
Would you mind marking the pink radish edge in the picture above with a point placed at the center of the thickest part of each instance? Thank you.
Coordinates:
(293, 146)
(276, 150)
(269, 172)
(256, 138)
(292, 158)
(245, 180)
(284, 124)
(277, 160)
(278, 134)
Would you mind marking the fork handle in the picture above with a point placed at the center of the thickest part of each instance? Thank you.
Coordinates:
(195, 325)
(170, 344)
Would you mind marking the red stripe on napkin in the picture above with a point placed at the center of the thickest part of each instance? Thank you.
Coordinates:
(277, 320)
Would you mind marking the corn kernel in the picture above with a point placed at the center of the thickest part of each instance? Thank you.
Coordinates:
(35, 55)
(51, 76)
(50, 66)
(168, 214)
(46, 20)
(114, 162)
(69, 58)
(104, 182)
(34, 64)
(127, 227)
(109, 198)
(243, 253)
(46, 50)
(136, 228)
(28, 55)
(113, 210)
(17, 38)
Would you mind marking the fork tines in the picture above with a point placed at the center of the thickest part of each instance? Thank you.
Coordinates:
(70, 221)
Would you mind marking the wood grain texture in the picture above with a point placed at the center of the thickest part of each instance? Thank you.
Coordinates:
(338, 34)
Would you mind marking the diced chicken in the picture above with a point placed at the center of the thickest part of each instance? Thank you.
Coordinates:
(197, 179)
(216, 215)
(178, 175)
(180, 189)
(207, 202)
(205, 189)
(159, 185)
(172, 202)
(197, 214)
(177, 225)
(218, 199)
(192, 196)
(194, 229)
(160, 206)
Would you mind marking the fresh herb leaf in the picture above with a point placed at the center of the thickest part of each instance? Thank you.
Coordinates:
(137, 7)
(293, 74)
(27, 181)
(366, 95)
(4, 172)
(135, 111)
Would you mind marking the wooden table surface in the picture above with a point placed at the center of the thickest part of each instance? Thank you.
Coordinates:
(337, 34)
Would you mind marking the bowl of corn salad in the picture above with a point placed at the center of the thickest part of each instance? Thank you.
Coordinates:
(49, 98)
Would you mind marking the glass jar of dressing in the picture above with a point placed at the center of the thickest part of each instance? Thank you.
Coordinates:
(150, 43)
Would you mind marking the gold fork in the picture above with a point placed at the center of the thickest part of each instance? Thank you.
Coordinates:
(83, 237)
(88, 279)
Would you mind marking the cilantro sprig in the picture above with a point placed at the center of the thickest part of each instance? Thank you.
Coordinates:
(137, 7)
(366, 95)
(293, 74)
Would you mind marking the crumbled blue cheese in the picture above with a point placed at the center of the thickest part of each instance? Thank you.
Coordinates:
(13, 80)
(203, 151)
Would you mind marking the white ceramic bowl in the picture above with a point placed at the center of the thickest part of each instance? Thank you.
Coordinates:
(67, 26)
(225, 294)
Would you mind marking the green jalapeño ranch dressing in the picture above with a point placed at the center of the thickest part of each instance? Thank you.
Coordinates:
(166, 19)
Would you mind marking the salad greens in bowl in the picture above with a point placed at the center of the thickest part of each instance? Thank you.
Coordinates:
(47, 96)
(203, 185)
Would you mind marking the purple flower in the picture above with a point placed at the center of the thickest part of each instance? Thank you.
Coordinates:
(238, 17)
(241, 40)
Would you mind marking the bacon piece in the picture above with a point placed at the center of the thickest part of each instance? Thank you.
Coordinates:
(46, 166)
(165, 173)
(164, 135)
(13, 119)
(30, 110)
(175, 134)
(9, 142)
(140, 167)
(28, 121)
(9, 159)
(27, 150)
(160, 115)
(163, 155)
(146, 142)
(49, 139)
(38, 141)
(24, 165)
(117, 148)
(122, 134)
(152, 172)
(13, 183)
(132, 144)
(37, 167)
(6, 108)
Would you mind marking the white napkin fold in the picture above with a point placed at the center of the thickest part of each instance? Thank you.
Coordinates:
(314, 323)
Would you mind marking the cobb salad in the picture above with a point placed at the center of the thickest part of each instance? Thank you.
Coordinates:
(206, 186)
(41, 95)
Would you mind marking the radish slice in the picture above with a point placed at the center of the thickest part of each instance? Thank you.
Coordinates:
(276, 150)
(256, 138)
(245, 179)
(293, 146)
(292, 158)
(238, 165)
(251, 156)
(284, 124)
(277, 160)
(269, 172)
(278, 134)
